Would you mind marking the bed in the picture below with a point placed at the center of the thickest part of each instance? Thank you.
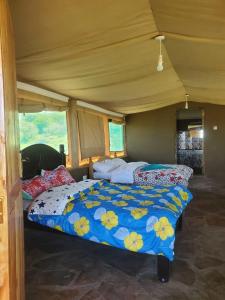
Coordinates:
(136, 218)
(141, 173)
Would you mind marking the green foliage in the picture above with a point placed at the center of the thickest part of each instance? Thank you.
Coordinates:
(116, 137)
(45, 128)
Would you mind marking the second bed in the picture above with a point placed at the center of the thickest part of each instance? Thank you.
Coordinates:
(141, 173)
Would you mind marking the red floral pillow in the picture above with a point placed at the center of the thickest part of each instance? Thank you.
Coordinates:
(57, 177)
(36, 186)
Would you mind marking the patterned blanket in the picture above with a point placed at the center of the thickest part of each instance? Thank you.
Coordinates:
(171, 174)
(136, 218)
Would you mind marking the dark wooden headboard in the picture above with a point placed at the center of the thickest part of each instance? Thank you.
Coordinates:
(39, 156)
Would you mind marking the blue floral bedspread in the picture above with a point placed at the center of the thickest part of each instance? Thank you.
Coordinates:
(136, 218)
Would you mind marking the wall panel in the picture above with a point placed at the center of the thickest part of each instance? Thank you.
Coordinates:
(151, 136)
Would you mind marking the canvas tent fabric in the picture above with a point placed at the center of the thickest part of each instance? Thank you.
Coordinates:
(29, 102)
(104, 52)
(91, 134)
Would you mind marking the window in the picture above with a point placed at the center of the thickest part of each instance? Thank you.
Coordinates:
(44, 128)
(116, 137)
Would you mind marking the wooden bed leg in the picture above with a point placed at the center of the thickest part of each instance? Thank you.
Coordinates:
(179, 223)
(163, 268)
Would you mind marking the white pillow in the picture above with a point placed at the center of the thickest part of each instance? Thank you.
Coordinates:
(100, 175)
(108, 165)
(125, 173)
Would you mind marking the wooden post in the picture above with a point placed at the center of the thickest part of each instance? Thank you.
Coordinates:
(179, 223)
(62, 152)
(73, 134)
(90, 168)
(11, 210)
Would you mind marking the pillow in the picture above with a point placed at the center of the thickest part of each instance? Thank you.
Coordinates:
(58, 176)
(100, 175)
(108, 165)
(35, 186)
(26, 196)
(118, 162)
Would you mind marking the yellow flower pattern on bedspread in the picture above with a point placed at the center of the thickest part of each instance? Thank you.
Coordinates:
(92, 204)
(133, 241)
(81, 226)
(146, 203)
(109, 219)
(184, 195)
(120, 203)
(138, 213)
(163, 228)
(68, 208)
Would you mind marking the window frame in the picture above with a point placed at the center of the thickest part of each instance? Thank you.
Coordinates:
(108, 153)
(122, 153)
(68, 156)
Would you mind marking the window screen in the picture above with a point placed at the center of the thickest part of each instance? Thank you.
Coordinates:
(45, 127)
(116, 137)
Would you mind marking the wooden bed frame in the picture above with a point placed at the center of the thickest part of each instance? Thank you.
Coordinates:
(39, 156)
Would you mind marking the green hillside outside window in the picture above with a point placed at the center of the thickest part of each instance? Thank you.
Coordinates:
(116, 137)
(45, 127)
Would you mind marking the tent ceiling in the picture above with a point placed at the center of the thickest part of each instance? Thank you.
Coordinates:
(195, 43)
(102, 51)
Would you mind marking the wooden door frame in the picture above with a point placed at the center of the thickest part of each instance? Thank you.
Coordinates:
(11, 211)
(200, 109)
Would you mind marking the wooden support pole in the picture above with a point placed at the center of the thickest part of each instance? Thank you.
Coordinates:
(163, 268)
(73, 134)
(179, 223)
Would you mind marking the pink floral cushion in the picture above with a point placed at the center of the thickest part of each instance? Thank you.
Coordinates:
(57, 177)
(36, 186)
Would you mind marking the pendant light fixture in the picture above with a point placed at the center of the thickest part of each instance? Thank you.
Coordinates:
(186, 101)
(160, 38)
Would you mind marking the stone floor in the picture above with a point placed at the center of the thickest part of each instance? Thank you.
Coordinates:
(62, 267)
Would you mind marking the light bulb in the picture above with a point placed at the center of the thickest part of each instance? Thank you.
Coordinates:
(160, 64)
(160, 38)
(160, 67)
(186, 102)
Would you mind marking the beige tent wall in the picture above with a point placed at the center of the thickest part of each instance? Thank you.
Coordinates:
(152, 136)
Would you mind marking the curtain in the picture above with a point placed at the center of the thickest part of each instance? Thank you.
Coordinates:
(91, 134)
